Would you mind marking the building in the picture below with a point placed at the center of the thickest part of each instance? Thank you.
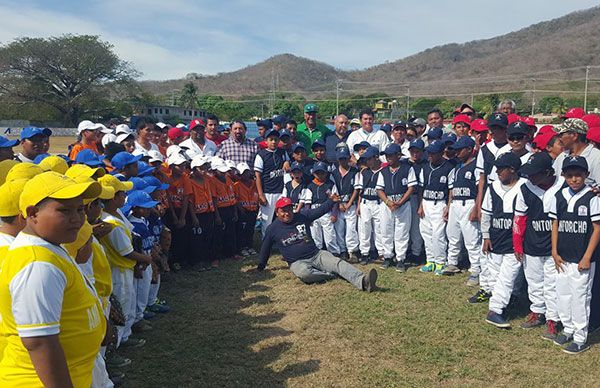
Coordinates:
(167, 113)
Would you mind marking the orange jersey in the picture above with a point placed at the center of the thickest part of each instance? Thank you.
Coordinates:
(179, 187)
(78, 147)
(202, 198)
(247, 196)
(223, 191)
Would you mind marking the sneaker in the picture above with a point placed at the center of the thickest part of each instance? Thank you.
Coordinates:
(450, 269)
(439, 269)
(354, 257)
(551, 331)
(400, 267)
(149, 314)
(533, 320)
(113, 360)
(369, 280)
(364, 260)
(141, 326)
(251, 251)
(158, 308)
(575, 348)
(344, 256)
(244, 253)
(473, 281)
(133, 343)
(117, 378)
(480, 297)
(497, 320)
(429, 267)
(562, 339)
(386, 264)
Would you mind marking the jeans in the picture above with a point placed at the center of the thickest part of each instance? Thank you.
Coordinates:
(325, 266)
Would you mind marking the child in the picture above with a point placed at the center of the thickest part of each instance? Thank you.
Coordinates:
(417, 160)
(55, 339)
(319, 153)
(463, 225)
(202, 212)
(125, 165)
(575, 211)
(296, 188)
(345, 177)
(395, 185)
(247, 206)
(176, 218)
(225, 239)
(301, 157)
(317, 193)
(433, 180)
(518, 140)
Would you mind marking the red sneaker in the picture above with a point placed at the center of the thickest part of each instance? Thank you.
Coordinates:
(534, 320)
(551, 330)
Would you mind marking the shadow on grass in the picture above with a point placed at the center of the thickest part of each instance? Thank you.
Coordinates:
(222, 331)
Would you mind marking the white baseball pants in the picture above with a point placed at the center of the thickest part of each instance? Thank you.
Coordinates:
(395, 230)
(540, 273)
(346, 230)
(124, 291)
(322, 229)
(490, 268)
(369, 222)
(433, 230)
(460, 229)
(142, 290)
(509, 269)
(266, 212)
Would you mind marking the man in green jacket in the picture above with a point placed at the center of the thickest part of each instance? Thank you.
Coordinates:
(309, 130)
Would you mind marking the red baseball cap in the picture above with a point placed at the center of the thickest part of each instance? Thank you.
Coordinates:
(574, 113)
(593, 134)
(197, 123)
(546, 129)
(461, 118)
(530, 121)
(283, 202)
(592, 120)
(541, 140)
(175, 132)
(479, 125)
(513, 118)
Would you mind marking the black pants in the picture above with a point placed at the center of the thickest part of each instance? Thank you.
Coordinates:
(180, 239)
(595, 303)
(225, 241)
(201, 238)
(245, 228)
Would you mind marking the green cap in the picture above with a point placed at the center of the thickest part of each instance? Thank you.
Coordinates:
(310, 108)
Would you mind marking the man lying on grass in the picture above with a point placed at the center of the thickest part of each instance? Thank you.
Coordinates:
(290, 233)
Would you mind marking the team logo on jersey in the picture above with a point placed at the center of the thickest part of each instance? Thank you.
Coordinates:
(404, 181)
(582, 211)
(443, 179)
(468, 175)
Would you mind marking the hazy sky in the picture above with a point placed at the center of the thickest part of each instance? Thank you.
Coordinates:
(170, 38)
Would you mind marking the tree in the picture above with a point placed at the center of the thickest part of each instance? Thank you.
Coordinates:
(189, 96)
(68, 73)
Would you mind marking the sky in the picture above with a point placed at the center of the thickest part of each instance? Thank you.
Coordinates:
(169, 39)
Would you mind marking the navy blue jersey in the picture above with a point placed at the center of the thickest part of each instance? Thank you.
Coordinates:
(368, 184)
(295, 194)
(463, 181)
(345, 184)
(156, 226)
(434, 181)
(395, 183)
(270, 165)
(318, 194)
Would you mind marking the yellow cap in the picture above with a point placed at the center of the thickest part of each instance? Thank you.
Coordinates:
(54, 163)
(106, 193)
(81, 169)
(54, 185)
(5, 166)
(116, 184)
(82, 238)
(23, 171)
(10, 192)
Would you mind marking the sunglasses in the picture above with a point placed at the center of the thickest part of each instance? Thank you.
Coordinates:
(516, 137)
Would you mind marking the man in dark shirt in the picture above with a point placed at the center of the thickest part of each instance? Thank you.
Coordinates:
(290, 234)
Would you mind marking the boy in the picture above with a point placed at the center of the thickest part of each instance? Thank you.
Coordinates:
(317, 193)
(575, 211)
(51, 315)
(417, 160)
(369, 224)
(125, 165)
(176, 218)
(433, 180)
(518, 140)
(300, 156)
(247, 206)
(319, 153)
(463, 224)
(296, 188)
(202, 213)
(6, 148)
(395, 185)
(225, 239)
(496, 229)
(345, 178)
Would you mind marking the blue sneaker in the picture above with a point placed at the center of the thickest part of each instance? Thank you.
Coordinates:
(429, 267)
(575, 348)
(159, 307)
(149, 314)
(439, 269)
(562, 339)
(497, 320)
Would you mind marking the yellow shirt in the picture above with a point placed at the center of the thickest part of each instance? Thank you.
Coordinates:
(37, 273)
(117, 243)
(102, 274)
(5, 241)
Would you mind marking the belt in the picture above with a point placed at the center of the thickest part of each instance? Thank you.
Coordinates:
(370, 201)
(463, 202)
(435, 201)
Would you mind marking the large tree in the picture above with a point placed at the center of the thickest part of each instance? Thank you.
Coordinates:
(70, 73)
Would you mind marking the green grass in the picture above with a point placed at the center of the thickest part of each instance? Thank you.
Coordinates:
(231, 328)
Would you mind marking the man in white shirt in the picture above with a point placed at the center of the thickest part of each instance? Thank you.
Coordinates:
(198, 144)
(145, 137)
(367, 133)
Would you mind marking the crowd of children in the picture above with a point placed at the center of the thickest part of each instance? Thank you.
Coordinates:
(85, 238)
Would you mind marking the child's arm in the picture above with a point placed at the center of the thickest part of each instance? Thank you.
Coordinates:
(261, 195)
(353, 198)
(584, 263)
(558, 261)
(48, 359)
(139, 257)
(406, 197)
(183, 211)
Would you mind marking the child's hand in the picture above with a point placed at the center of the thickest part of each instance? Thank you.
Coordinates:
(474, 215)
(558, 262)
(333, 219)
(445, 215)
(584, 264)
(421, 212)
(262, 200)
(487, 246)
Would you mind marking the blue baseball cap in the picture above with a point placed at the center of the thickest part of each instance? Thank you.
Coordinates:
(137, 198)
(279, 119)
(298, 146)
(391, 149)
(448, 138)
(154, 181)
(141, 185)
(436, 147)
(144, 169)
(386, 127)
(296, 166)
(342, 153)
(6, 143)
(122, 159)
(267, 123)
(284, 132)
(508, 160)
(463, 142)
(434, 133)
(271, 132)
(318, 143)
(399, 124)
(89, 158)
(418, 143)
(320, 166)
(370, 152)
(362, 144)
(39, 158)
(30, 132)
(575, 162)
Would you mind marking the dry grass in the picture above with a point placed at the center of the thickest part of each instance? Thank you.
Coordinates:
(59, 144)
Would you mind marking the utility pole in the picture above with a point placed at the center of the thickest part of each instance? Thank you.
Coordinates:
(338, 82)
(533, 98)
(587, 73)
(407, 102)
(472, 99)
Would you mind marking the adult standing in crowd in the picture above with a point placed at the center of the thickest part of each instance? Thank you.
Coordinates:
(198, 143)
(507, 107)
(212, 130)
(374, 137)
(238, 147)
(572, 134)
(310, 130)
(145, 137)
(340, 135)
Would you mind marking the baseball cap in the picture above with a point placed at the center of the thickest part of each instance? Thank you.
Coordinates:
(138, 198)
(231, 164)
(108, 138)
(417, 143)
(538, 162)
(89, 158)
(219, 165)
(173, 149)
(242, 167)
(575, 162)
(284, 132)
(86, 125)
(122, 159)
(594, 134)
(23, 171)
(106, 192)
(199, 161)
(497, 120)
(354, 121)
(196, 123)
(541, 140)
(362, 144)
(53, 185)
(311, 108)
(279, 119)
(176, 159)
(271, 132)
(591, 120)
(83, 236)
(283, 202)
(574, 113)
(436, 147)
(342, 153)
(298, 146)
(267, 123)
(123, 128)
(370, 152)
(387, 127)
(508, 159)
(546, 129)
(121, 137)
(5, 167)
(572, 125)
(296, 166)
(530, 121)
(144, 169)
(162, 125)
(54, 163)
(155, 156)
(10, 192)
(434, 133)
(320, 166)
(463, 142)
(419, 122)
(77, 170)
(318, 143)
(30, 132)
(479, 125)
(513, 117)
(114, 182)
(448, 138)
(6, 143)
(517, 128)
(141, 185)
(175, 132)
(399, 123)
(461, 118)
(155, 182)
(391, 149)
(39, 158)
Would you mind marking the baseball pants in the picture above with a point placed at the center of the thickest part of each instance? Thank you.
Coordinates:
(503, 288)
(369, 223)
(323, 230)
(574, 289)
(142, 290)
(460, 229)
(416, 240)
(124, 291)
(433, 230)
(490, 268)
(395, 230)
(346, 230)
(201, 239)
(540, 273)
(153, 294)
(267, 211)
(324, 266)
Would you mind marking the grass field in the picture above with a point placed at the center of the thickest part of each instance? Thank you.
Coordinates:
(58, 144)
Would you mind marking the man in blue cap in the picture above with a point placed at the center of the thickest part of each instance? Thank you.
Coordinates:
(6, 148)
(310, 130)
(35, 141)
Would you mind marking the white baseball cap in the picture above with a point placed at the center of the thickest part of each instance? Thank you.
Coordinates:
(155, 156)
(161, 125)
(180, 125)
(88, 125)
(219, 165)
(242, 167)
(176, 159)
(231, 164)
(108, 138)
(200, 160)
(173, 149)
(123, 128)
(122, 136)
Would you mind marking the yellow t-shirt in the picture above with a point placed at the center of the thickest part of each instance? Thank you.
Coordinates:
(117, 243)
(5, 241)
(38, 273)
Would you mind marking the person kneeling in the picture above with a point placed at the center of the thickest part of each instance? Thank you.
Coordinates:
(290, 233)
